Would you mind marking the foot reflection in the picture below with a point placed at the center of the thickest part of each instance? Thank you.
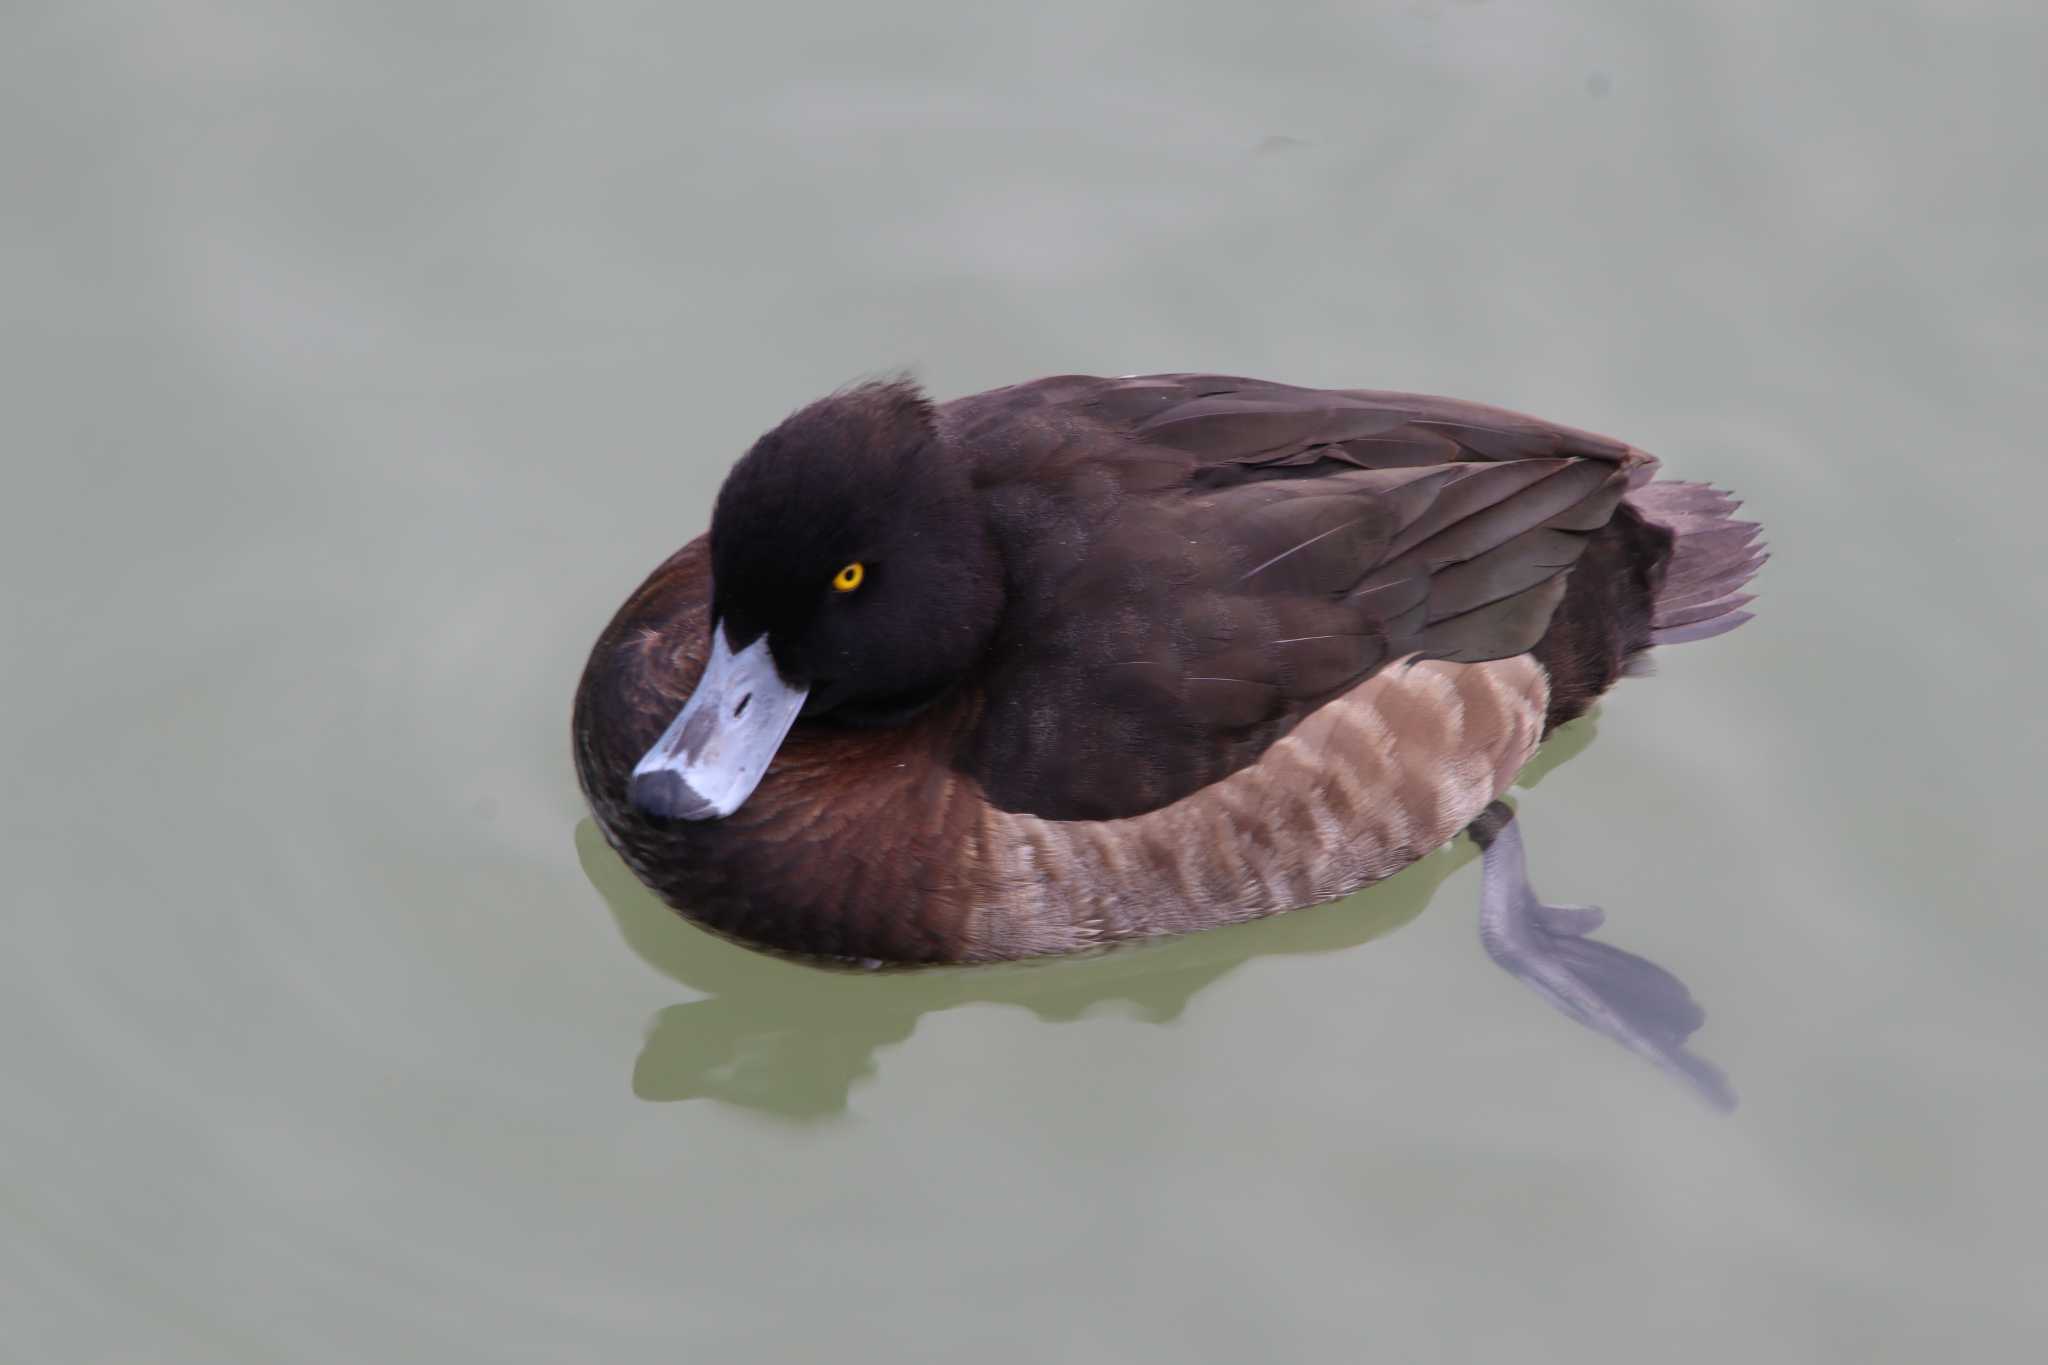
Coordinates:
(791, 1040)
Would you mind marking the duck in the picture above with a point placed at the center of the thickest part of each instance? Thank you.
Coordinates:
(1085, 661)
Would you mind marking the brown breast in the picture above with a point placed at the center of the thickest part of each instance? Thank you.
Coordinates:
(869, 844)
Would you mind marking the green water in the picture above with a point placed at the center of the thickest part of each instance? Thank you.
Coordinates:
(358, 358)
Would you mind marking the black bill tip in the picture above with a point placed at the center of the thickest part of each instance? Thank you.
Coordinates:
(664, 795)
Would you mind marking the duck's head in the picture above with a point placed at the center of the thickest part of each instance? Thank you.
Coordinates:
(854, 580)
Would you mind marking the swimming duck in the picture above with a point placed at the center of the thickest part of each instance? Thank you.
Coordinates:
(1086, 660)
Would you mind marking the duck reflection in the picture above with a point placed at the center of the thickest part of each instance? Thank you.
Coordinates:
(791, 1040)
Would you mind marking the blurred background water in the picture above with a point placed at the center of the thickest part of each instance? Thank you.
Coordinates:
(358, 358)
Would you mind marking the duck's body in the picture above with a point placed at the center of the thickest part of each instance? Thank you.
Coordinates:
(1132, 657)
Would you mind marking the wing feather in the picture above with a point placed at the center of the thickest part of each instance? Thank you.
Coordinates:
(1241, 552)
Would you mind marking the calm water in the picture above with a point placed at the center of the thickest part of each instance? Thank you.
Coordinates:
(359, 357)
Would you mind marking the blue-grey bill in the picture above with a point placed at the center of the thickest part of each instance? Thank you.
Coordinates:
(714, 753)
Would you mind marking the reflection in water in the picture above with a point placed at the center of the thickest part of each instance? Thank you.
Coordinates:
(789, 1039)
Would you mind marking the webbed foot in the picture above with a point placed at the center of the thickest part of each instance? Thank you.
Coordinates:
(1630, 999)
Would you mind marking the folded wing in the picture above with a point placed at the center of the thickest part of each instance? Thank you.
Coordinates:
(1237, 553)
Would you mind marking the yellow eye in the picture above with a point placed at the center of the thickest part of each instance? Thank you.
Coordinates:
(848, 578)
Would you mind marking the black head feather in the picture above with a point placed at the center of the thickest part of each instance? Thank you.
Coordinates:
(862, 477)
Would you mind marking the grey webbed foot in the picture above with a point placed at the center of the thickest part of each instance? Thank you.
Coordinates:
(1633, 1001)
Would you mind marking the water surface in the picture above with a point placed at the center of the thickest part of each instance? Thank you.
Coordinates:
(359, 359)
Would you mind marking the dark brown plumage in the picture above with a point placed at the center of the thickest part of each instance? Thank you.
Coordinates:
(1134, 656)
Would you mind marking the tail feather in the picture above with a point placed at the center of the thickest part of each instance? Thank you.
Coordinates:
(1712, 559)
